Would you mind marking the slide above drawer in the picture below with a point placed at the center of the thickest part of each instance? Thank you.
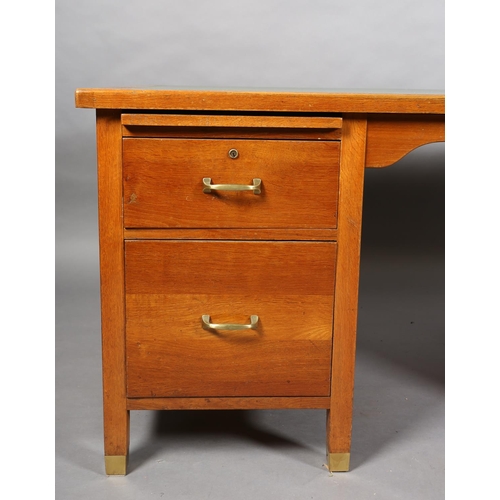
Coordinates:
(230, 183)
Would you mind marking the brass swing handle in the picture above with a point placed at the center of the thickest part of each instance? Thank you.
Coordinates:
(209, 187)
(254, 319)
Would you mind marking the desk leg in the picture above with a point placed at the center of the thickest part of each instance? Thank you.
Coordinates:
(339, 416)
(109, 177)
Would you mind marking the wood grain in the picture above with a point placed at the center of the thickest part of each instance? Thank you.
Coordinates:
(116, 415)
(265, 101)
(232, 234)
(241, 121)
(235, 403)
(253, 268)
(171, 284)
(339, 416)
(242, 126)
(304, 134)
(390, 137)
(163, 183)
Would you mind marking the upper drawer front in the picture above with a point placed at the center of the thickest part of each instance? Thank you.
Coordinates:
(163, 183)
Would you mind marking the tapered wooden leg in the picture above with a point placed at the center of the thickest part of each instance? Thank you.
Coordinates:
(339, 416)
(109, 177)
(116, 441)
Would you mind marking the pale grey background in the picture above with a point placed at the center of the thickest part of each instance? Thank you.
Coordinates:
(398, 434)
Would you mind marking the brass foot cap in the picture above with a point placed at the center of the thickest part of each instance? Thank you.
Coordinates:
(116, 465)
(338, 462)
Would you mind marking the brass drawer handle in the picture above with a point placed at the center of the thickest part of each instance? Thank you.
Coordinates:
(209, 187)
(254, 319)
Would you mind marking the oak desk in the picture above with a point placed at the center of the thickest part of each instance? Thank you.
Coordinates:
(229, 230)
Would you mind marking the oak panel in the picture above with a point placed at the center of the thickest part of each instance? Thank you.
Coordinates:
(116, 417)
(232, 234)
(305, 134)
(227, 267)
(171, 120)
(390, 137)
(275, 101)
(234, 403)
(339, 416)
(242, 126)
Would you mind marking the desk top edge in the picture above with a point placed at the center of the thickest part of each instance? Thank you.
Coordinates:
(321, 101)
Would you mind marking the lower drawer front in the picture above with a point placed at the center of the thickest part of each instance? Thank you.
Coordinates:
(171, 285)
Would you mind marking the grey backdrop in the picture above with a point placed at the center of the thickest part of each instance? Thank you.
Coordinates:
(398, 439)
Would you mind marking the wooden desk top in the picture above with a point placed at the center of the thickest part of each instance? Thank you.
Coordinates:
(277, 100)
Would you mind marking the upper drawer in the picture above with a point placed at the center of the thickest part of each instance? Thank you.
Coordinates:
(163, 183)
